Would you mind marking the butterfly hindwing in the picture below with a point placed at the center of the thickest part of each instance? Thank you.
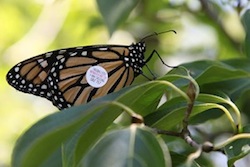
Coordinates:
(68, 76)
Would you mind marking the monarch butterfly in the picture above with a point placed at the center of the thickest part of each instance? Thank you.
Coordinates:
(77, 75)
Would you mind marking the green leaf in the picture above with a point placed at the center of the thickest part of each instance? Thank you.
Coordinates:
(144, 99)
(133, 146)
(179, 160)
(238, 149)
(215, 112)
(115, 12)
(247, 42)
(220, 73)
(167, 115)
(207, 71)
(75, 130)
(80, 127)
(171, 113)
(246, 24)
(47, 135)
(90, 131)
(231, 77)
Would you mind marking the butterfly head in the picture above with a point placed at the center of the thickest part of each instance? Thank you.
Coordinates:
(135, 58)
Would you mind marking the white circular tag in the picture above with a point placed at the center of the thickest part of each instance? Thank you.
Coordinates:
(96, 76)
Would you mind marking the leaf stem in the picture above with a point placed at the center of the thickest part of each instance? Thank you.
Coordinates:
(136, 118)
(230, 140)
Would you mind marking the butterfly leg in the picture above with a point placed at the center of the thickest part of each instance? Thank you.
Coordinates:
(151, 72)
(149, 58)
(155, 52)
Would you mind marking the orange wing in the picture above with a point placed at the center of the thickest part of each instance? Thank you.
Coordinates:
(60, 75)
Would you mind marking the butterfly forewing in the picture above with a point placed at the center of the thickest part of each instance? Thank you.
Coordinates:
(30, 76)
(60, 75)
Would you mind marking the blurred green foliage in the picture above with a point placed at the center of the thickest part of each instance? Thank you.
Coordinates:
(205, 30)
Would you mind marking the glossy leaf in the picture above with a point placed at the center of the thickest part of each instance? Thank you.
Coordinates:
(246, 24)
(179, 160)
(79, 127)
(75, 130)
(115, 12)
(238, 149)
(171, 113)
(207, 72)
(133, 146)
(47, 135)
(144, 98)
(231, 77)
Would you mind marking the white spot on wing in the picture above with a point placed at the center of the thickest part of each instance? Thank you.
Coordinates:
(59, 57)
(48, 94)
(52, 69)
(42, 62)
(16, 69)
(73, 54)
(103, 48)
(48, 54)
(62, 51)
(126, 58)
(79, 47)
(44, 86)
(84, 53)
(62, 60)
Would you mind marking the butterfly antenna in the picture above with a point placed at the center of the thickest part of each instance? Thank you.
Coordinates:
(157, 33)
